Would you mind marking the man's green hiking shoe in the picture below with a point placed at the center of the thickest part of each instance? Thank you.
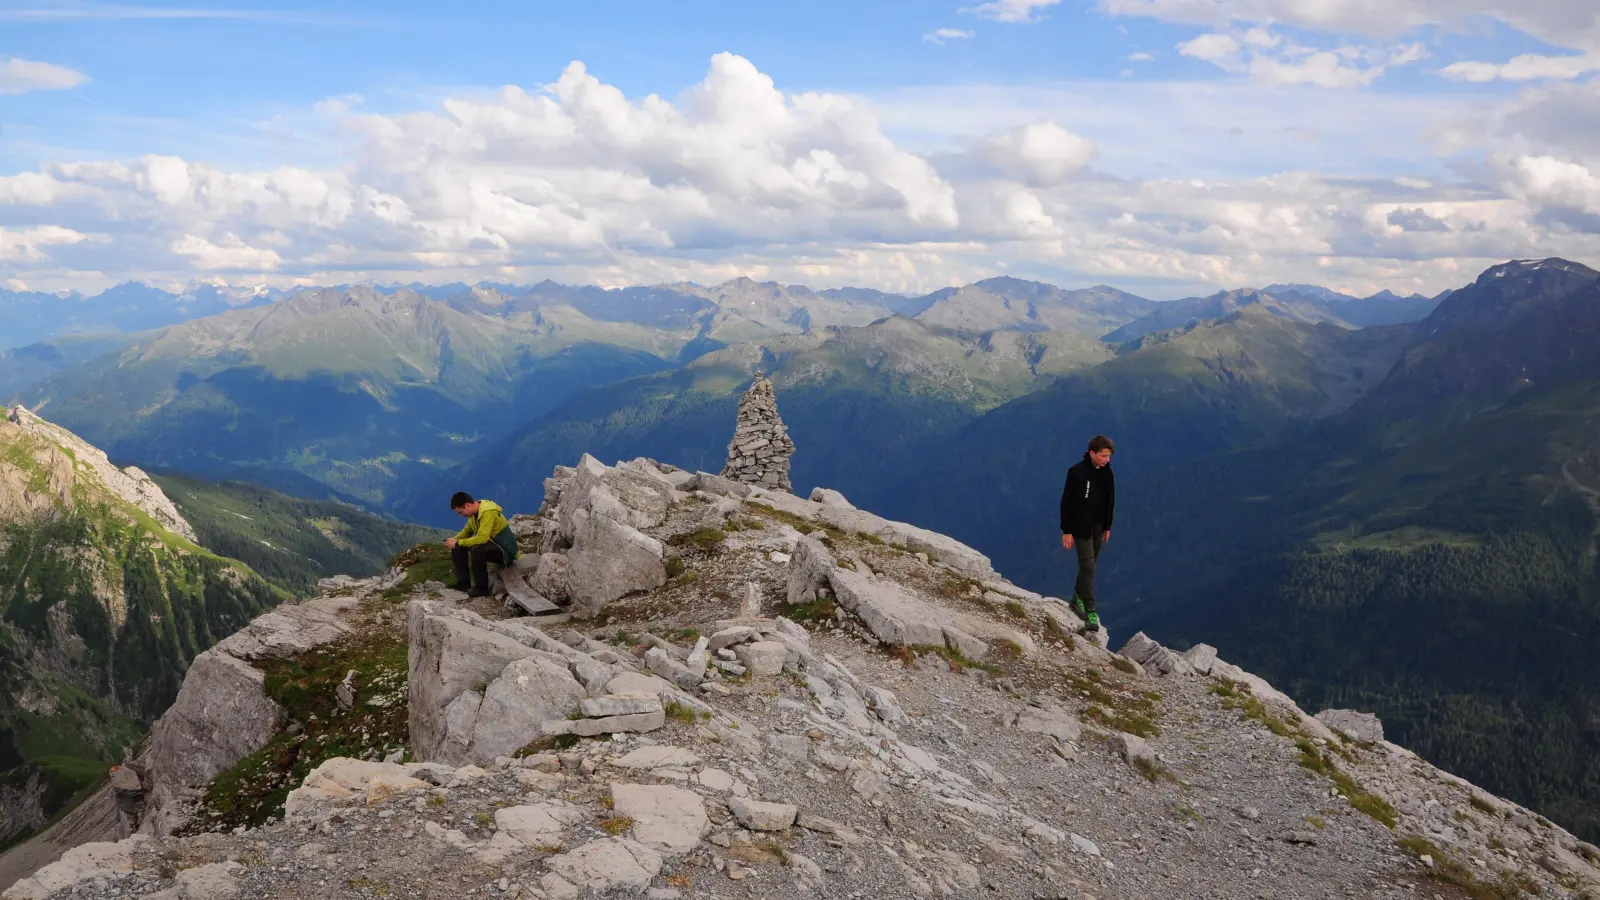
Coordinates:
(1077, 606)
(1092, 622)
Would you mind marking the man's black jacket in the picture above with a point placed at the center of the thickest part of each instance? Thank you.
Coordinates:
(1089, 500)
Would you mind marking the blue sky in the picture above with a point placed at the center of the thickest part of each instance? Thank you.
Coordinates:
(1165, 145)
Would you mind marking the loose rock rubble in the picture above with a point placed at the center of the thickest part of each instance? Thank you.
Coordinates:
(822, 703)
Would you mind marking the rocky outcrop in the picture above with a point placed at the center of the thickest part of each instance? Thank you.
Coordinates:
(588, 534)
(760, 450)
(131, 484)
(222, 713)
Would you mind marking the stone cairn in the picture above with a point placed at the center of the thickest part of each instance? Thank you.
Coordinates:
(760, 450)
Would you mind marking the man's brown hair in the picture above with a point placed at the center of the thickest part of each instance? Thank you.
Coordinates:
(1101, 442)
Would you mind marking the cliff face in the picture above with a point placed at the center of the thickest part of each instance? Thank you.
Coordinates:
(817, 702)
(104, 600)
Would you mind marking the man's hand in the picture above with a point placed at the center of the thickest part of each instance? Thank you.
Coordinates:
(1066, 542)
(450, 544)
(1107, 538)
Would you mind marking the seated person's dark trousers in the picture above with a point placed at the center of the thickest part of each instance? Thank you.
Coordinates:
(476, 559)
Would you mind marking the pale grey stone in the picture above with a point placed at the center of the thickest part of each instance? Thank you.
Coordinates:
(1203, 657)
(665, 819)
(208, 882)
(608, 560)
(1364, 727)
(1061, 725)
(829, 497)
(1154, 657)
(760, 816)
(607, 864)
(620, 704)
(762, 657)
(633, 722)
(516, 705)
(728, 637)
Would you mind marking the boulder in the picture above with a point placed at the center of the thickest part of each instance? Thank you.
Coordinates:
(762, 657)
(89, 862)
(1358, 726)
(759, 816)
(665, 819)
(1154, 657)
(541, 824)
(607, 865)
(829, 497)
(716, 484)
(608, 560)
(620, 704)
(515, 706)
(449, 657)
(208, 882)
(551, 577)
(810, 570)
(1203, 657)
(1062, 726)
(1133, 748)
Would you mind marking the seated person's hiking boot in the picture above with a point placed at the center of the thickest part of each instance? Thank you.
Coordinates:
(1077, 607)
(1092, 622)
(478, 592)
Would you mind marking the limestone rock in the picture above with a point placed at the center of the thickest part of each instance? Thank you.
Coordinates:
(80, 864)
(541, 824)
(517, 703)
(1062, 726)
(1154, 657)
(760, 816)
(449, 657)
(665, 819)
(829, 497)
(607, 865)
(1133, 748)
(608, 560)
(1360, 726)
(620, 704)
(762, 657)
(209, 882)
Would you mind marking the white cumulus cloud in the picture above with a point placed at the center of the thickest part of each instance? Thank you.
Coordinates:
(1527, 67)
(19, 76)
(944, 35)
(1011, 10)
(1040, 154)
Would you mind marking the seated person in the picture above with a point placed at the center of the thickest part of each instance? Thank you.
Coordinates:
(487, 538)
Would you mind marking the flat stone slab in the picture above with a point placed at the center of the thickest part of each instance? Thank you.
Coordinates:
(656, 757)
(665, 819)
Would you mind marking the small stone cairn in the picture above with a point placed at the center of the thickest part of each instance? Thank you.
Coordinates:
(760, 450)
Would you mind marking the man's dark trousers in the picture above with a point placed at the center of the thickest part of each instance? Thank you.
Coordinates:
(476, 559)
(1088, 558)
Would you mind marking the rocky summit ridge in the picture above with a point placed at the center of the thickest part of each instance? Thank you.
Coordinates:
(807, 700)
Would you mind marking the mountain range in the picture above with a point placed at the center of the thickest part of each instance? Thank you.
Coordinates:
(373, 391)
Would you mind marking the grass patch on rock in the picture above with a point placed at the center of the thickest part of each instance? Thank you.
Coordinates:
(1117, 707)
(422, 563)
(315, 729)
(1374, 806)
(908, 653)
(819, 610)
(1239, 699)
(1446, 869)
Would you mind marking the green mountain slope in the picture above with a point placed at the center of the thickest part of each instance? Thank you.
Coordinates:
(1429, 554)
(104, 600)
(291, 542)
(354, 388)
(858, 401)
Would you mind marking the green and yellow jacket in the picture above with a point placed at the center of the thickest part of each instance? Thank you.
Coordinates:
(488, 525)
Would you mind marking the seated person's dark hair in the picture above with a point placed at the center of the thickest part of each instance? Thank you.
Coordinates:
(460, 499)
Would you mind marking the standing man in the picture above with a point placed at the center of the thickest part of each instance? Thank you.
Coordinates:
(487, 538)
(1088, 503)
